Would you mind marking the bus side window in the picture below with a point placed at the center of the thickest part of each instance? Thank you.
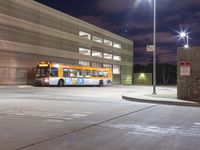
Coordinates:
(72, 73)
(106, 74)
(94, 73)
(87, 73)
(65, 72)
(54, 72)
(79, 73)
(100, 74)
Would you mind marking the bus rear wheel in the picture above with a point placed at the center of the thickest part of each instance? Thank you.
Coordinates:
(100, 83)
(61, 83)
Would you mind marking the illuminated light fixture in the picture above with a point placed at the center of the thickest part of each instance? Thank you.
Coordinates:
(184, 35)
(142, 76)
(186, 46)
(46, 80)
(43, 65)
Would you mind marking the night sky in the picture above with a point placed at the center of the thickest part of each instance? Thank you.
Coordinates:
(133, 19)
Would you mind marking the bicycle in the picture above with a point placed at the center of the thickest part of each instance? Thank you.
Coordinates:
(193, 90)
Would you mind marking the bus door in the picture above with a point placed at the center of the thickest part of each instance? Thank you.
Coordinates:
(73, 77)
(54, 75)
(87, 77)
(80, 77)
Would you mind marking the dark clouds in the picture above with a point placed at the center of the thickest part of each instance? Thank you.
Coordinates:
(133, 19)
(113, 6)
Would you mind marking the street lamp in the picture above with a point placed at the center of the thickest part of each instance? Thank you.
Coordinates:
(185, 35)
(154, 44)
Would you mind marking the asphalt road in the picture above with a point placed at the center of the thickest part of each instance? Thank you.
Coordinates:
(92, 118)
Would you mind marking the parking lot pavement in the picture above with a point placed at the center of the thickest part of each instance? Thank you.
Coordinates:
(33, 114)
(88, 118)
(151, 128)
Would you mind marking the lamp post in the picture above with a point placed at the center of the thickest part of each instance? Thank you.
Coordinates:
(185, 35)
(154, 44)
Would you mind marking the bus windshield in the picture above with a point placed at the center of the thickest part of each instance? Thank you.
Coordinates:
(42, 72)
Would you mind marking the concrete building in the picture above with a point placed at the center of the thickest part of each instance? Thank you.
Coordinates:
(188, 71)
(31, 32)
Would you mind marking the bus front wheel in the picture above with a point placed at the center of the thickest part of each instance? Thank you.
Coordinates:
(100, 83)
(61, 83)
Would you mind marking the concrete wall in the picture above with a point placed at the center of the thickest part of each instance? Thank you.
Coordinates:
(192, 56)
(31, 32)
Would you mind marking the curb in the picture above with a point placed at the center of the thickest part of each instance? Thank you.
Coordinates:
(161, 102)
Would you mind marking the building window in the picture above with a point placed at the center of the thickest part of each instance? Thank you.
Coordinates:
(84, 51)
(118, 58)
(84, 35)
(116, 69)
(95, 64)
(97, 39)
(107, 42)
(97, 54)
(84, 63)
(107, 56)
(107, 66)
(116, 45)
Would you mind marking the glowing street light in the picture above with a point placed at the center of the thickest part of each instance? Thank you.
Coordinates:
(185, 35)
(182, 34)
(186, 46)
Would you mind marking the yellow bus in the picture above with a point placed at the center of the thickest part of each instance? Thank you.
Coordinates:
(49, 73)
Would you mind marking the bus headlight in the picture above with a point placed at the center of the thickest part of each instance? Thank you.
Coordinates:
(46, 80)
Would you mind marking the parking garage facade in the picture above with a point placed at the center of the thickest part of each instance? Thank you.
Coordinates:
(31, 32)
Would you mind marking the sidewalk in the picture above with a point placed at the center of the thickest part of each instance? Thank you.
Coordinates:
(166, 95)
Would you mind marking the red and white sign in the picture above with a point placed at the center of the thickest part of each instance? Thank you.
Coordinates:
(185, 68)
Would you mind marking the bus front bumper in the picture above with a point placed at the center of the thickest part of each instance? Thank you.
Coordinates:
(41, 82)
